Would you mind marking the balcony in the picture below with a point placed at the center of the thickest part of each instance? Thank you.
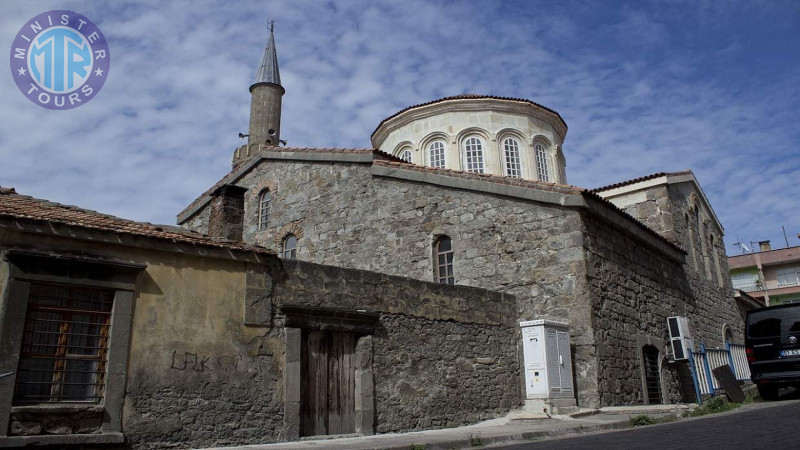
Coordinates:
(749, 287)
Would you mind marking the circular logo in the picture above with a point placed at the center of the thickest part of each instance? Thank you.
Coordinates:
(60, 59)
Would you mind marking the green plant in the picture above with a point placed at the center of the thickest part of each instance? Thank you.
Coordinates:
(417, 446)
(713, 405)
(642, 420)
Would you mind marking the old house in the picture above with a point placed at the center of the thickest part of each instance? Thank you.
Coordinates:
(326, 291)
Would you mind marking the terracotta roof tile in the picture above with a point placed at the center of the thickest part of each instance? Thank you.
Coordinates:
(463, 97)
(521, 182)
(23, 207)
(639, 180)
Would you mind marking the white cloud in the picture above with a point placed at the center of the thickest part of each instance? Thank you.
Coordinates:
(642, 91)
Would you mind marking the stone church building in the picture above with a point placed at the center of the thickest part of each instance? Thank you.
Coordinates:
(479, 182)
(331, 291)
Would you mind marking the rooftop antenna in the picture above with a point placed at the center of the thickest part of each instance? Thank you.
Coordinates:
(271, 26)
(741, 246)
(784, 236)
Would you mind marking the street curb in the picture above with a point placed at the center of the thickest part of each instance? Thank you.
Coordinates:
(511, 438)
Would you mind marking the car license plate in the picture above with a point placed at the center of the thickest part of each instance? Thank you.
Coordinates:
(795, 352)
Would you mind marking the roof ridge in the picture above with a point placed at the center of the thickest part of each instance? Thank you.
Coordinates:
(466, 97)
(25, 207)
(640, 179)
(500, 179)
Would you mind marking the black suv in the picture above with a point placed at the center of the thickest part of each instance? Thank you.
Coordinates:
(772, 343)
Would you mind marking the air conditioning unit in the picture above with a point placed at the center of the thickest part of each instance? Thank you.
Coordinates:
(680, 337)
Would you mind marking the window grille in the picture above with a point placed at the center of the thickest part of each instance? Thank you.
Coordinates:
(405, 155)
(289, 250)
(436, 151)
(264, 200)
(444, 261)
(473, 149)
(542, 168)
(513, 167)
(64, 345)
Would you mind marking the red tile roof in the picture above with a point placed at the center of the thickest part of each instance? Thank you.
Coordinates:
(640, 179)
(466, 97)
(541, 185)
(23, 207)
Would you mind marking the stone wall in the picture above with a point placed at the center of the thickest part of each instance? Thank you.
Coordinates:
(199, 376)
(350, 218)
(635, 288)
(443, 355)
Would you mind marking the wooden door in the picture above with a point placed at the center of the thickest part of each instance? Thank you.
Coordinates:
(328, 384)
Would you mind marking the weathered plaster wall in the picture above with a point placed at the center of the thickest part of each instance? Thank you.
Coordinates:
(198, 375)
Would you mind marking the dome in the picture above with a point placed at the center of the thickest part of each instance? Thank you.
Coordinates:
(479, 133)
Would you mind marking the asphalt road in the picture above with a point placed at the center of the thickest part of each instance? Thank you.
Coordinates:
(763, 427)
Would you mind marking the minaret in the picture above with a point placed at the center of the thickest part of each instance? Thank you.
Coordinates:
(265, 98)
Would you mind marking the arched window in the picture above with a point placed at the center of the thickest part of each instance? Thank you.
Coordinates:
(264, 199)
(511, 153)
(443, 251)
(542, 168)
(691, 242)
(436, 154)
(473, 154)
(289, 247)
(727, 334)
(405, 155)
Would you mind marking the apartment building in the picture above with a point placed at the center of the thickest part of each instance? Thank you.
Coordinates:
(771, 276)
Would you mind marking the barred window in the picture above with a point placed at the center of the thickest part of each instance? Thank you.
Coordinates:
(473, 152)
(444, 260)
(436, 154)
(64, 345)
(289, 247)
(542, 168)
(513, 168)
(264, 199)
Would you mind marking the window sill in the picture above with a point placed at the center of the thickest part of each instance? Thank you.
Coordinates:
(58, 408)
(61, 439)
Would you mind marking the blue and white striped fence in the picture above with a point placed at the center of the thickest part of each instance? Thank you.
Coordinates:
(705, 360)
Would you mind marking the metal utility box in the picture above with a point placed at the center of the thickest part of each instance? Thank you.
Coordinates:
(548, 361)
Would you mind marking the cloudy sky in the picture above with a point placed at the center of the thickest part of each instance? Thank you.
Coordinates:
(644, 86)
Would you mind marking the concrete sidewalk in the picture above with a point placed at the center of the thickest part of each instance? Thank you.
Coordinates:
(516, 426)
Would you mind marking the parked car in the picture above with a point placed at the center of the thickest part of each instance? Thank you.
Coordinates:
(772, 344)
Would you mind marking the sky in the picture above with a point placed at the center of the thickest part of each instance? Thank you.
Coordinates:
(644, 86)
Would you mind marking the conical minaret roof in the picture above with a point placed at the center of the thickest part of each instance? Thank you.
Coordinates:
(268, 69)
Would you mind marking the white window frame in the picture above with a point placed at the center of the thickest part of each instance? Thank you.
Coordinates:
(542, 162)
(289, 252)
(438, 161)
(510, 160)
(405, 154)
(264, 208)
(474, 155)
(787, 276)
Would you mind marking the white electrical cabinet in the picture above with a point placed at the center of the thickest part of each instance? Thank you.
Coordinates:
(548, 360)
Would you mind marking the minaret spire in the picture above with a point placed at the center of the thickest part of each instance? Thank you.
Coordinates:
(268, 69)
(266, 93)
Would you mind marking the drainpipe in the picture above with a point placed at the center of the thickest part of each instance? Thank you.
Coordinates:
(762, 279)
